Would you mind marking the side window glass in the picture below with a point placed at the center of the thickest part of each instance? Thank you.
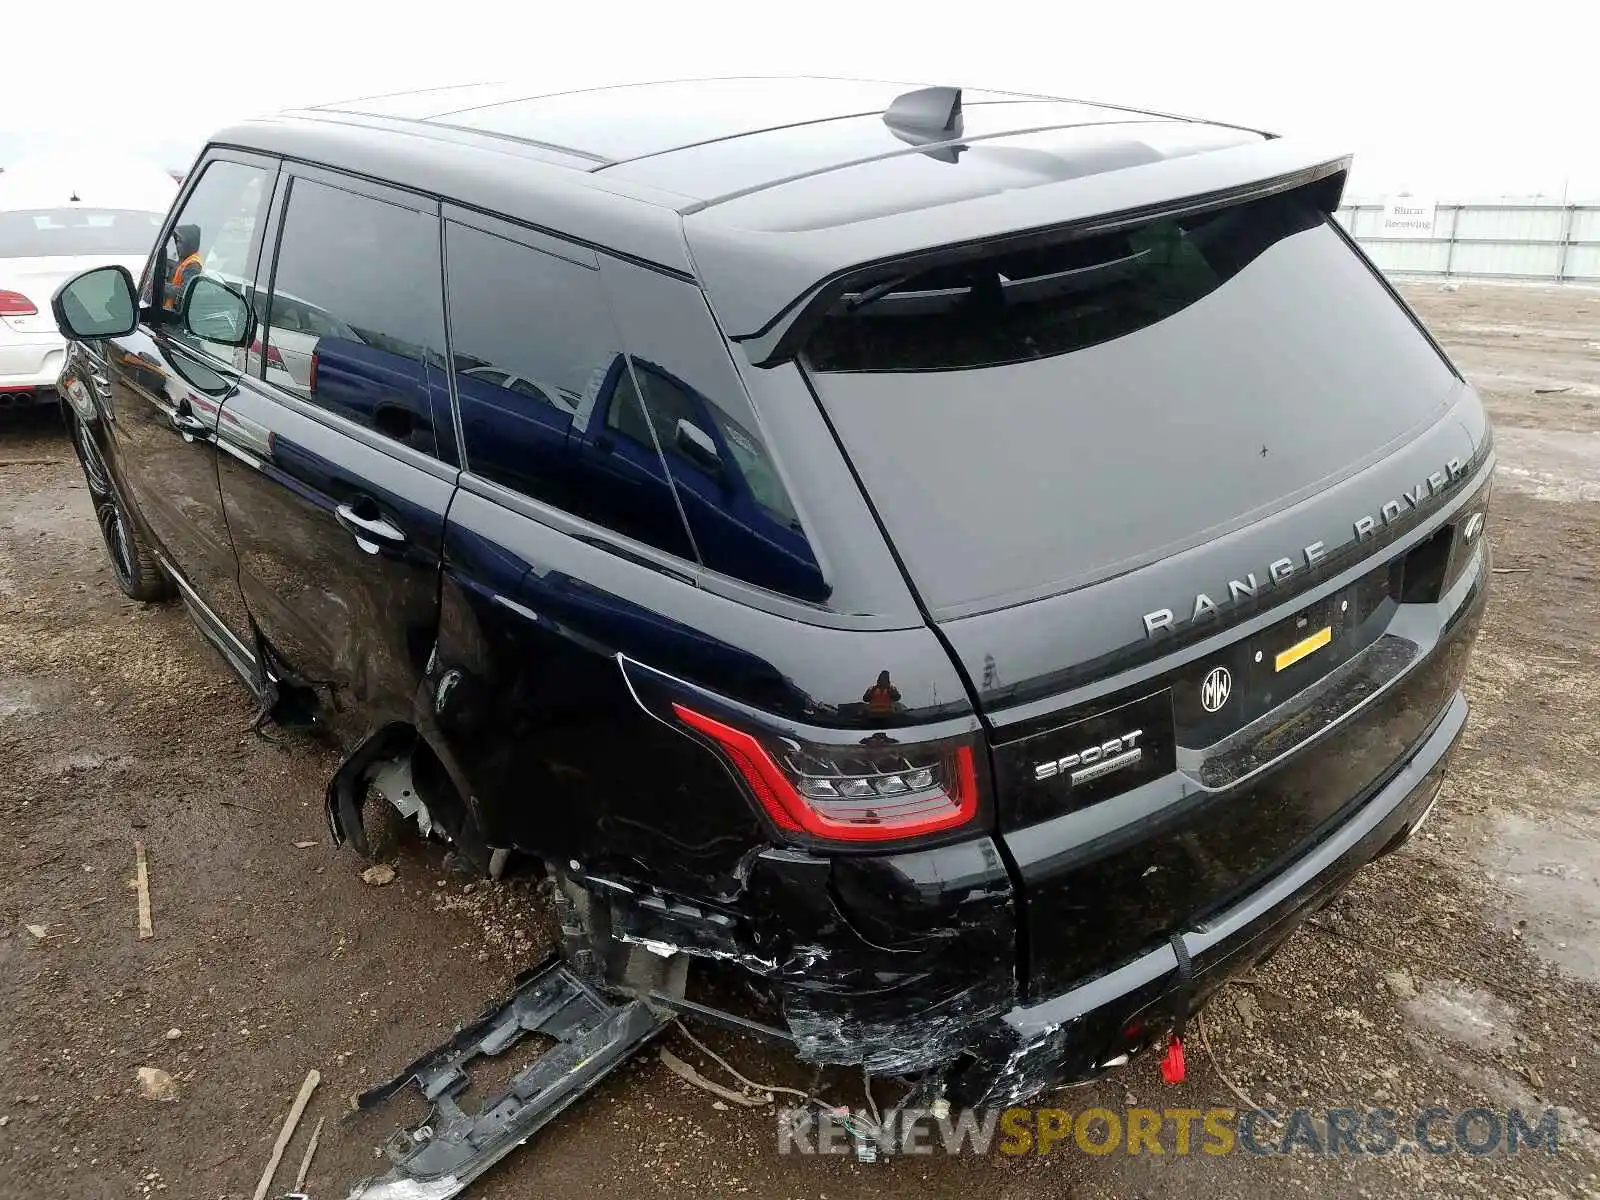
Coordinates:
(355, 322)
(548, 406)
(626, 415)
(734, 499)
(690, 429)
(212, 236)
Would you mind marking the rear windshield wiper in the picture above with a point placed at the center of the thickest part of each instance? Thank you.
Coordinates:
(888, 298)
(854, 300)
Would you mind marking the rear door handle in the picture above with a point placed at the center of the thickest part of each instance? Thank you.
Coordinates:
(371, 533)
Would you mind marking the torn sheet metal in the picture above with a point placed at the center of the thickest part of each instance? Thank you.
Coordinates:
(891, 963)
(828, 1030)
(450, 1148)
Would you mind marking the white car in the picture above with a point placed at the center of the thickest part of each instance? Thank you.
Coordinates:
(56, 220)
(296, 328)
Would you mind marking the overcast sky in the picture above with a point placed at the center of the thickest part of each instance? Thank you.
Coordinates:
(1431, 97)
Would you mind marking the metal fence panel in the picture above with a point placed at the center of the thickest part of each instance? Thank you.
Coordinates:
(1406, 256)
(1586, 224)
(1583, 263)
(1362, 222)
(1514, 260)
(1510, 224)
(1554, 242)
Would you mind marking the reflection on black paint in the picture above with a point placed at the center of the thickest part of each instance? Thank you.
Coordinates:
(882, 697)
(551, 407)
(738, 511)
(599, 460)
(353, 324)
(381, 389)
(200, 377)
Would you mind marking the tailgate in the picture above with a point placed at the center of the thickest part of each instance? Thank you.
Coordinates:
(1183, 500)
(1143, 782)
(1110, 865)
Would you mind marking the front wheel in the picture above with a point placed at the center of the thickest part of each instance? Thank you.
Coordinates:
(132, 561)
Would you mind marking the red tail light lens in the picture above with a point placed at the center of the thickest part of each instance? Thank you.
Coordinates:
(273, 357)
(855, 793)
(15, 304)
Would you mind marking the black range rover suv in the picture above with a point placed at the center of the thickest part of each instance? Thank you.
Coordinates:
(979, 567)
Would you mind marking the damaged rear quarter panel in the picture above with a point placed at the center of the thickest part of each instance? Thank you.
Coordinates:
(888, 961)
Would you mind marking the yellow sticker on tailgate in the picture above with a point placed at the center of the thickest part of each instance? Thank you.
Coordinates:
(1319, 639)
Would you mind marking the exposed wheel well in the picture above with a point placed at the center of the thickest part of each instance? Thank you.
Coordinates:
(399, 748)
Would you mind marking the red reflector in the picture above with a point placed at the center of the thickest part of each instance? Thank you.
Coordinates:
(902, 801)
(1173, 1068)
(15, 304)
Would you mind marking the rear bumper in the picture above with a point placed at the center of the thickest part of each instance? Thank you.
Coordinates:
(36, 396)
(29, 369)
(1077, 1034)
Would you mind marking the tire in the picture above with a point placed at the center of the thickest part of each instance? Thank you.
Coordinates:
(133, 563)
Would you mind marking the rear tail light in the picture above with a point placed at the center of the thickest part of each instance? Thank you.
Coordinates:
(311, 374)
(15, 304)
(273, 357)
(876, 790)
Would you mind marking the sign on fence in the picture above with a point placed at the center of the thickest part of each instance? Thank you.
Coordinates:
(1406, 217)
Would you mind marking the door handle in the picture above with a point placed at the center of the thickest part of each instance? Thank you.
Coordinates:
(191, 426)
(371, 533)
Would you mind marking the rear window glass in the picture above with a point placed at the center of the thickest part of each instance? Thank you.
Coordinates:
(46, 232)
(1039, 421)
(1042, 302)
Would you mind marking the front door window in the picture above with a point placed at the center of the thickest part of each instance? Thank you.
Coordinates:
(212, 236)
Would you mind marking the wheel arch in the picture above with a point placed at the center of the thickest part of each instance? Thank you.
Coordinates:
(346, 790)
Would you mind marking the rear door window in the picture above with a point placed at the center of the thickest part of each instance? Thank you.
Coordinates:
(1038, 421)
(355, 321)
(545, 397)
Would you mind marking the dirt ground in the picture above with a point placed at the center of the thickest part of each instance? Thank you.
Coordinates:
(1462, 971)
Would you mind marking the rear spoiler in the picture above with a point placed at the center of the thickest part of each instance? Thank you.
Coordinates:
(769, 286)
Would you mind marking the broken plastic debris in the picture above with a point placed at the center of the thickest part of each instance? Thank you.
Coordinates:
(156, 1084)
(406, 1189)
(452, 1147)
